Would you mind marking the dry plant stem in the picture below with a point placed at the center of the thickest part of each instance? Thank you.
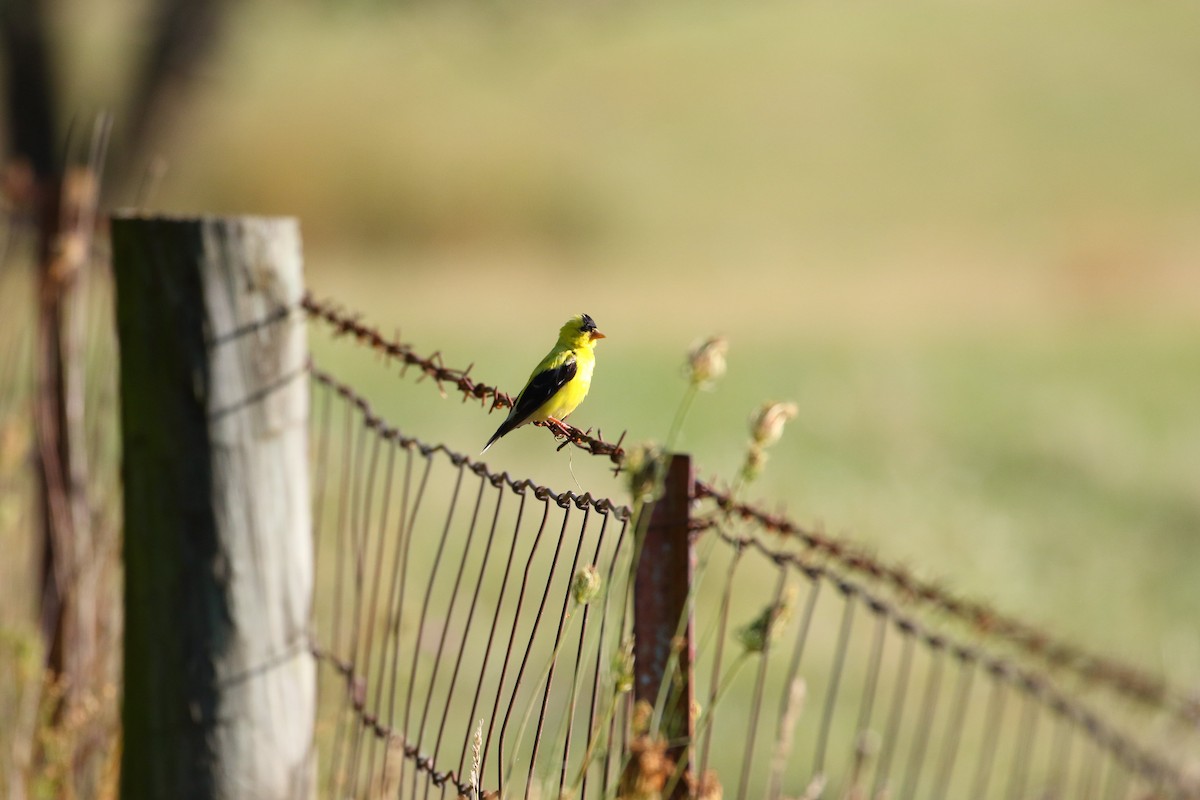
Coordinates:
(590, 753)
(706, 715)
(680, 413)
(718, 657)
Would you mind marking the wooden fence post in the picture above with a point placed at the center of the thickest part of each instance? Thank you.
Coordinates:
(220, 685)
(661, 599)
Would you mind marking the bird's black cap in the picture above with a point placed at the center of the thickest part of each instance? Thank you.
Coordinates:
(588, 325)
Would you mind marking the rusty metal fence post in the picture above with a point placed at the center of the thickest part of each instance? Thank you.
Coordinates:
(664, 646)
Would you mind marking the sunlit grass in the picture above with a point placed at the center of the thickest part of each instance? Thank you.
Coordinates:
(961, 239)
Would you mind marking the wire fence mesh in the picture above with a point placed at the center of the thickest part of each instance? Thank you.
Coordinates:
(452, 618)
(461, 653)
(822, 671)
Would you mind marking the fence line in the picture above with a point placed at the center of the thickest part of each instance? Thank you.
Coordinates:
(853, 678)
(364, 636)
(1039, 687)
(1123, 679)
(883, 687)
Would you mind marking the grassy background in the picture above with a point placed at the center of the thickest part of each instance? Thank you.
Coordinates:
(962, 239)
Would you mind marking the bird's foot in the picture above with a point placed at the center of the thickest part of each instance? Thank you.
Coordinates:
(558, 428)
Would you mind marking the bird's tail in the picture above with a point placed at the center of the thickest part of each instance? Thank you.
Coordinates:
(499, 432)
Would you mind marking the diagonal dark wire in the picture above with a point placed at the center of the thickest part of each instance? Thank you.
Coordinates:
(364, 525)
(495, 626)
(835, 675)
(953, 735)
(793, 675)
(862, 742)
(759, 686)
(562, 621)
(883, 771)
(376, 581)
(478, 584)
(580, 670)
(991, 728)
(924, 732)
(424, 616)
(508, 654)
(714, 685)
(391, 643)
(1026, 733)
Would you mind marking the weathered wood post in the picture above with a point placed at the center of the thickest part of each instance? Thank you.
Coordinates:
(220, 686)
(662, 621)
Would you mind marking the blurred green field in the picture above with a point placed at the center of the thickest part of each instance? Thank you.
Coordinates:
(962, 238)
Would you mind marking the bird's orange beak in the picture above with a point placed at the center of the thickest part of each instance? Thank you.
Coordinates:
(597, 335)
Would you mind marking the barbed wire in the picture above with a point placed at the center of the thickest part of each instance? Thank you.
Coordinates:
(376, 423)
(1124, 679)
(491, 398)
(355, 513)
(1038, 686)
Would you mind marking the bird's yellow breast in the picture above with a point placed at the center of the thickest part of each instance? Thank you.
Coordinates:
(568, 398)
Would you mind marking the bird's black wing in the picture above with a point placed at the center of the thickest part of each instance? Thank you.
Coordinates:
(540, 389)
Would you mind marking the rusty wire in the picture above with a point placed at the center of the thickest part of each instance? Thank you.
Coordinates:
(412, 721)
(373, 421)
(837, 556)
(370, 721)
(1122, 678)
(1037, 687)
(491, 398)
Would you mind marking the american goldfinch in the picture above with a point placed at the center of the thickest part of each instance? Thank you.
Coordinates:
(560, 382)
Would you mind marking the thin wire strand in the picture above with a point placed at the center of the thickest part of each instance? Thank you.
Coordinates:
(835, 675)
(929, 702)
(953, 734)
(562, 622)
(793, 673)
(1026, 733)
(883, 773)
(759, 685)
(715, 683)
(991, 731)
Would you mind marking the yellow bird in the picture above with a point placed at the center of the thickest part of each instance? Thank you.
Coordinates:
(560, 382)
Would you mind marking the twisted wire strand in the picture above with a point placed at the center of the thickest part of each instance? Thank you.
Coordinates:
(564, 499)
(1122, 678)
(420, 762)
(1036, 686)
(359, 523)
(345, 324)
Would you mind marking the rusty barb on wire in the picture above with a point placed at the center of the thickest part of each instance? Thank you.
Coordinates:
(376, 423)
(1124, 679)
(345, 324)
(1031, 682)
